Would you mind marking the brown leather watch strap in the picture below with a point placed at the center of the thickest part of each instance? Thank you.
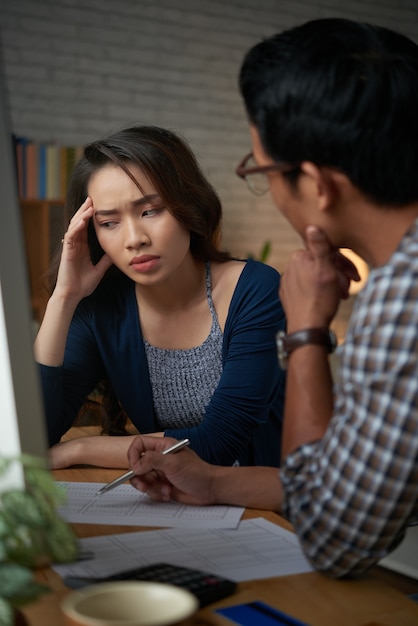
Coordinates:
(287, 343)
(320, 336)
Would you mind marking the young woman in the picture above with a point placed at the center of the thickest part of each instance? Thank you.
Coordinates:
(145, 298)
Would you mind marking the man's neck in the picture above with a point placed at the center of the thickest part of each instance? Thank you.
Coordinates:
(377, 231)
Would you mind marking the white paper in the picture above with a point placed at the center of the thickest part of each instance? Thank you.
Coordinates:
(256, 549)
(126, 506)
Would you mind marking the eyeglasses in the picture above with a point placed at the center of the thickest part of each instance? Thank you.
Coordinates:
(255, 175)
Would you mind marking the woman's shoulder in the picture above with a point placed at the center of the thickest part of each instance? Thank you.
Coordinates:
(233, 269)
(237, 283)
(231, 274)
(260, 269)
(256, 297)
(227, 273)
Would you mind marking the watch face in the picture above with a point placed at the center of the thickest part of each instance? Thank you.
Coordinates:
(281, 351)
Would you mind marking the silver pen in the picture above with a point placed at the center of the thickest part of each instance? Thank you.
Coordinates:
(128, 475)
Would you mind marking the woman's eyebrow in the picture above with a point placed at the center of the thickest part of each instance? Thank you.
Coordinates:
(146, 199)
(105, 212)
(140, 202)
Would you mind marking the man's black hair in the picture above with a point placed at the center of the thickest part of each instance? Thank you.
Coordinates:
(342, 94)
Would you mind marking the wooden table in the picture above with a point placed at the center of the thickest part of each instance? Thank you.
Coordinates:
(312, 597)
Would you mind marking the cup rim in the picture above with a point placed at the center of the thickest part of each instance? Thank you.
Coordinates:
(189, 603)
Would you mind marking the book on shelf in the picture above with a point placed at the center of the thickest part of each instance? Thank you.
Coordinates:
(20, 161)
(43, 169)
(32, 166)
(52, 171)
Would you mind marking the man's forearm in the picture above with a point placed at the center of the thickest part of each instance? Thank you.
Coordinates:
(309, 399)
(252, 487)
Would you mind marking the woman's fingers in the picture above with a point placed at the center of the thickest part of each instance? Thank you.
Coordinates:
(78, 223)
(87, 206)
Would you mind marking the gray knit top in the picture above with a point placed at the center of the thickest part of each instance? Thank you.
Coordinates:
(183, 381)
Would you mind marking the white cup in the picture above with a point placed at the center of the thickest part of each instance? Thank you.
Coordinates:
(129, 603)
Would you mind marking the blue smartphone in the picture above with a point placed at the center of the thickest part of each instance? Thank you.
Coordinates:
(258, 613)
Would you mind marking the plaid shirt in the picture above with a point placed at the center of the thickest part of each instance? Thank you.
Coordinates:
(351, 495)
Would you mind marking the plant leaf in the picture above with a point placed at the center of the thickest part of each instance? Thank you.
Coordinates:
(13, 579)
(3, 552)
(62, 543)
(20, 507)
(29, 594)
(4, 526)
(6, 613)
(27, 546)
(265, 251)
(4, 464)
(41, 481)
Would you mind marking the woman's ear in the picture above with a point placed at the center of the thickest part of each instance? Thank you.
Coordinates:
(323, 183)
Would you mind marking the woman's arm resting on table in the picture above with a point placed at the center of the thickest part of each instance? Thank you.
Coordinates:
(101, 451)
(184, 477)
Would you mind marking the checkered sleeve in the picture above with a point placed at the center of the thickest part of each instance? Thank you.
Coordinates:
(351, 495)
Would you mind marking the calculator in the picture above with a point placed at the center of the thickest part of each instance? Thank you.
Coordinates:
(205, 586)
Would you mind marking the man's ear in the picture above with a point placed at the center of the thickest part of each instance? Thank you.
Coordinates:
(324, 184)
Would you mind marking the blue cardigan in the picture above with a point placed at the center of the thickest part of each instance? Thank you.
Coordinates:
(244, 417)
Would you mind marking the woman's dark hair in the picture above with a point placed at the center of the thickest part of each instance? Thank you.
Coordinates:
(341, 94)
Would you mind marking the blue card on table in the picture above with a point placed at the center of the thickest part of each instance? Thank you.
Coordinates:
(258, 613)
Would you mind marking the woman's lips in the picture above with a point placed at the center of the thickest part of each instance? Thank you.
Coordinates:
(144, 263)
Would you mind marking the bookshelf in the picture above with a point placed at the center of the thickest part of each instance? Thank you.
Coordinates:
(43, 225)
(43, 169)
(42, 172)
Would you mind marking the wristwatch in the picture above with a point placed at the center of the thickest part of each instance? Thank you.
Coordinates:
(287, 343)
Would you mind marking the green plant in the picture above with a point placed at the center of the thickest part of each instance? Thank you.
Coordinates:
(31, 534)
(264, 253)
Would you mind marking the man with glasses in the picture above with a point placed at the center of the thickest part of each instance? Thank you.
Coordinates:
(332, 107)
(256, 175)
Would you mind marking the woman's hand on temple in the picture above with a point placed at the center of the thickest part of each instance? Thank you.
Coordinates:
(77, 276)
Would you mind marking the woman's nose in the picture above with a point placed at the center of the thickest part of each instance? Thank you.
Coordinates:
(136, 236)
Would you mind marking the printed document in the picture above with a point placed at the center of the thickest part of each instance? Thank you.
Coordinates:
(256, 549)
(126, 506)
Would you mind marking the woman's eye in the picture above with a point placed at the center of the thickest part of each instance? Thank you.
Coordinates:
(152, 211)
(107, 224)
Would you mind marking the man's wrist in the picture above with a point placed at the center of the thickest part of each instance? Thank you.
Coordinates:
(287, 343)
(220, 484)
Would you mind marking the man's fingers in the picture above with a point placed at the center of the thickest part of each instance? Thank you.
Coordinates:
(319, 246)
(317, 243)
(144, 443)
(345, 265)
(154, 489)
(146, 462)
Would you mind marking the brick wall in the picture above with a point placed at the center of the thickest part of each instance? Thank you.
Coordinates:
(78, 69)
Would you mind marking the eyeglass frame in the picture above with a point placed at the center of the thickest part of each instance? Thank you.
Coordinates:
(242, 171)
